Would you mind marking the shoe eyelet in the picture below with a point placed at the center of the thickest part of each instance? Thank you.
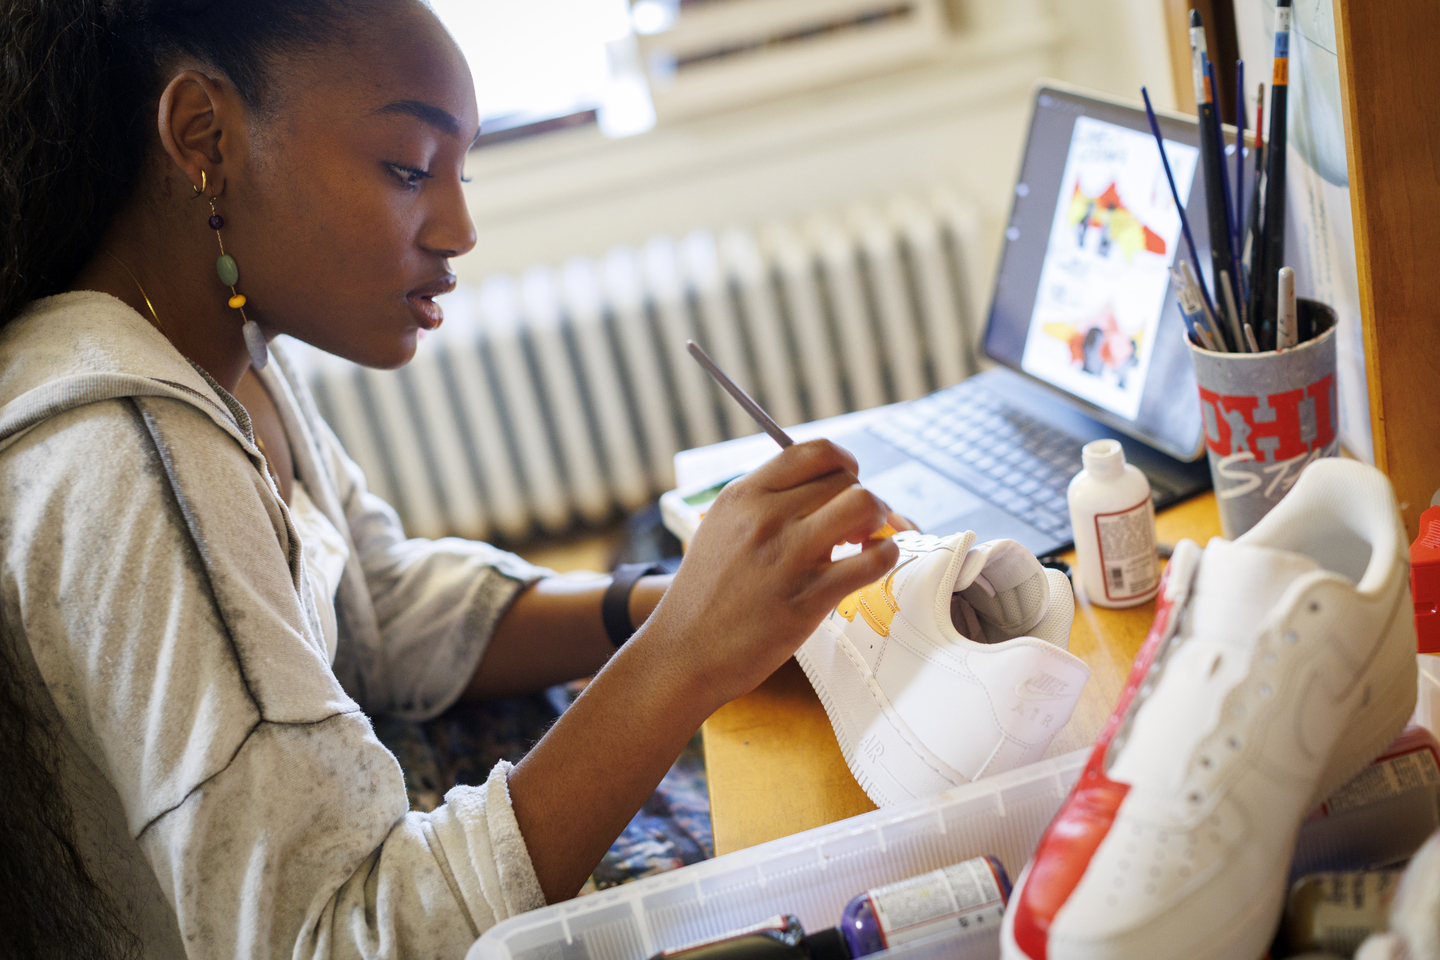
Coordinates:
(1195, 796)
(1206, 762)
(1266, 690)
(1291, 636)
(1234, 743)
(1314, 606)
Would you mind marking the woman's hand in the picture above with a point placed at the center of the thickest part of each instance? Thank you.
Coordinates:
(758, 577)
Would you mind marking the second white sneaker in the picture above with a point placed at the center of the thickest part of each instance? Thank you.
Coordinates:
(1278, 666)
(952, 667)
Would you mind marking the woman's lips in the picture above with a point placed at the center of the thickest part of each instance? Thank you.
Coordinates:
(423, 305)
(427, 311)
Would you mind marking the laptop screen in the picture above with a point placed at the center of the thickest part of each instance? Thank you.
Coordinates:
(1083, 301)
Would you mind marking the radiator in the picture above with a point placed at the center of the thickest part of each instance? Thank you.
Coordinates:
(559, 397)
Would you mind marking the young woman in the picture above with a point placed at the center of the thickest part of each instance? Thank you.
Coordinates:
(198, 597)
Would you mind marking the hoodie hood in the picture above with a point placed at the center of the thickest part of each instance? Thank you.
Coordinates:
(84, 347)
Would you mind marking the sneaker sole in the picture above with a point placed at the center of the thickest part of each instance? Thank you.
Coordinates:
(878, 745)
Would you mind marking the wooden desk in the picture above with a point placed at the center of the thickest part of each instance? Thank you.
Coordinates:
(772, 761)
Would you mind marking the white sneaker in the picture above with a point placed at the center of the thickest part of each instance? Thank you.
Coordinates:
(1277, 667)
(918, 705)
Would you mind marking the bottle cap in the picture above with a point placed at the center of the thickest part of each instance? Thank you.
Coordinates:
(1104, 459)
(827, 945)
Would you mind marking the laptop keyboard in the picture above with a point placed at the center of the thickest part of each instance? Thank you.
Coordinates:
(1008, 457)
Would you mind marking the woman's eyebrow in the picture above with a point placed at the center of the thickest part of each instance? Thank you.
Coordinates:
(432, 115)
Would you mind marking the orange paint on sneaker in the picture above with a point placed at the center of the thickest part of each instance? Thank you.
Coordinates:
(876, 604)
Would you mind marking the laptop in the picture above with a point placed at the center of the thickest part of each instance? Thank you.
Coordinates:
(1085, 331)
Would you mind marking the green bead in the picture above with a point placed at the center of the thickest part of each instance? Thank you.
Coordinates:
(228, 269)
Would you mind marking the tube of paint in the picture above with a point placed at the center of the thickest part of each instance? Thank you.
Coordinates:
(1379, 816)
(968, 896)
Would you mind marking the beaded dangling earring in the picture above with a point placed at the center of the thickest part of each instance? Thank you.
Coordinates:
(229, 272)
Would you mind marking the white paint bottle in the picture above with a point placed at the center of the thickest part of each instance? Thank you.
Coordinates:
(1114, 522)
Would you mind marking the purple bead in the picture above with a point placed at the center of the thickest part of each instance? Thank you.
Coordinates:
(216, 222)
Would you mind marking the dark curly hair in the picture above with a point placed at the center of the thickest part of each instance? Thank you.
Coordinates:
(79, 86)
(79, 80)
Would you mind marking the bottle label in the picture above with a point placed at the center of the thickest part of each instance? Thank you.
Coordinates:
(1384, 780)
(1128, 562)
(965, 896)
(1349, 907)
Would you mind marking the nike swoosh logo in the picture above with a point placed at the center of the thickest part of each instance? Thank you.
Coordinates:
(1049, 689)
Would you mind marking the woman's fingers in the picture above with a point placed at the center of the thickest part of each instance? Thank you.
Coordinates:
(899, 521)
(804, 462)
(806, 498)
(843, 577)
(851, 516)
(765, 577)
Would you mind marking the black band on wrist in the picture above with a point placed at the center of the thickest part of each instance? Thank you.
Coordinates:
(615, 607)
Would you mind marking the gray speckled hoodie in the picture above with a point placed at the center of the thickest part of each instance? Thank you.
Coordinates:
(228, 790)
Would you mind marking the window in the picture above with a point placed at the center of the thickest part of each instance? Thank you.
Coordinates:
(547, 64)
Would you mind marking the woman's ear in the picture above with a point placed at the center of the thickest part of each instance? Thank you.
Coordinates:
(198, 120)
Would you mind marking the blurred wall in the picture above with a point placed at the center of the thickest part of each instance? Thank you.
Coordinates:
(958, 120)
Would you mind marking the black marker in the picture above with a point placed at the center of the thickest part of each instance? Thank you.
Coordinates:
(1212, 166)
(1270, 256)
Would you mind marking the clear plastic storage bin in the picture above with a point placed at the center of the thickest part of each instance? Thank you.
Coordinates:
(811, 875)
(814, 874)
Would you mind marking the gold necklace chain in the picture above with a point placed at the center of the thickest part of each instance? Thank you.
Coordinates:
(264, 454)
(143, 295)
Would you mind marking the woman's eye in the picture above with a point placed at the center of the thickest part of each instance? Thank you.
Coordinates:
(410, 176)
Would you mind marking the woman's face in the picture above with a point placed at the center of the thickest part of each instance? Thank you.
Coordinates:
(348, 207)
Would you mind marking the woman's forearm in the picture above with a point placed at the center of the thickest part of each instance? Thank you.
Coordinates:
(580, 785)
(554, 633)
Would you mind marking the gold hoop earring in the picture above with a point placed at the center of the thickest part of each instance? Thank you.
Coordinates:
(229, 273)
